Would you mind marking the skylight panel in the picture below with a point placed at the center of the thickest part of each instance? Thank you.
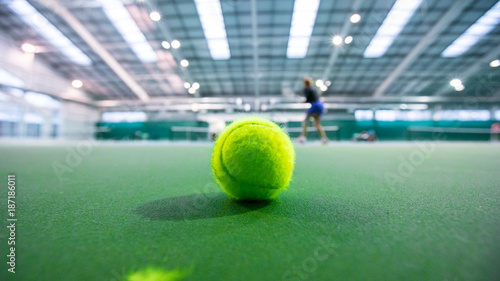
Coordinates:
(33, 18)
(212, 21)
(126, 26)
(396, 20)
(474, 33)
(7, 78)
(303, 18)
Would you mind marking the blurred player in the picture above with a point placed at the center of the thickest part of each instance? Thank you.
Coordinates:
(315, 112)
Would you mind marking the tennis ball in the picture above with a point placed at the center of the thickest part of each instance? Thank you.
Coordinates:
(253, 159)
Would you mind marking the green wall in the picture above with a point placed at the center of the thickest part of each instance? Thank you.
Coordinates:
(388, 131)
(397, 130)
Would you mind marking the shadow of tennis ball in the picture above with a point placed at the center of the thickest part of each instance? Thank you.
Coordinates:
(198, 206)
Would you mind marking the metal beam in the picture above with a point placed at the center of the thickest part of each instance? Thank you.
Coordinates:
(282, 99)
(336, 49)
(78, 27)
(450, 15)
(255, 41)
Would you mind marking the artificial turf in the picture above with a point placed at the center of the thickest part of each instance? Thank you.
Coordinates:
(349, 214)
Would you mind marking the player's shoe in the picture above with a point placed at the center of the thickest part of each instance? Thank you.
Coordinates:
(301, 139)
(324, 141)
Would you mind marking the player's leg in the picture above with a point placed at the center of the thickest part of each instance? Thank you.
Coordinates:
(302, 137)
(317, 124)
(304, 125)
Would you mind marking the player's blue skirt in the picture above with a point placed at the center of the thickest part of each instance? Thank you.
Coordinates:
(317, 107)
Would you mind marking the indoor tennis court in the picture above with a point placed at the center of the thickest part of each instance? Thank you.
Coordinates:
(121, 141)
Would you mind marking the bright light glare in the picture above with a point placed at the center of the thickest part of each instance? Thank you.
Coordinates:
(319, 83)
(355, 18)
(196, 86)
(495, 63)
(462, 115)
(459, 88)
(323, 88)
(185, 63)
(175, 44)
(6, 78)
(361, 115)
(165, 45)
(303, 18)
(187, 85)
(348, 40)
(212, 21)
(41, 100)
(455, 82)
(155, 16)
(337, 40)
(474, 33)
(404, 115)
(121, 19)
(118, 117)
(77, 84)
(33, 118)
(395, 21)
(328, 83)
(34, 19)
(28, 48)
(192, 91)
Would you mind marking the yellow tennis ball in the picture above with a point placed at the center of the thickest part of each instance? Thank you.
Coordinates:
(253, 159)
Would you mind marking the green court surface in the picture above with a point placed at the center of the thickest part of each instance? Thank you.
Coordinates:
(353, 212)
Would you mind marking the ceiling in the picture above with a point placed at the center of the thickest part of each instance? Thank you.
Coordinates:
(406, 69)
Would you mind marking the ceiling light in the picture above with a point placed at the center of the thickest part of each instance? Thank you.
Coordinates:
(459, 88)
(28, 48)
(395, 21)
(319, 83)
(303, 18)
(495, 63)
(34, 19)
(155, 16)
(126, 26)
(348, 40)
(165, 45)
(247, 107)
(77, 84)
(175, 44)
(455, 82)
(323, 88)
(187, 85)
(328, 83)
(355, 18)
(337, 40)
(212, 22)
(184, 63)
(196, 86)
(474, 33)
(192, 91)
